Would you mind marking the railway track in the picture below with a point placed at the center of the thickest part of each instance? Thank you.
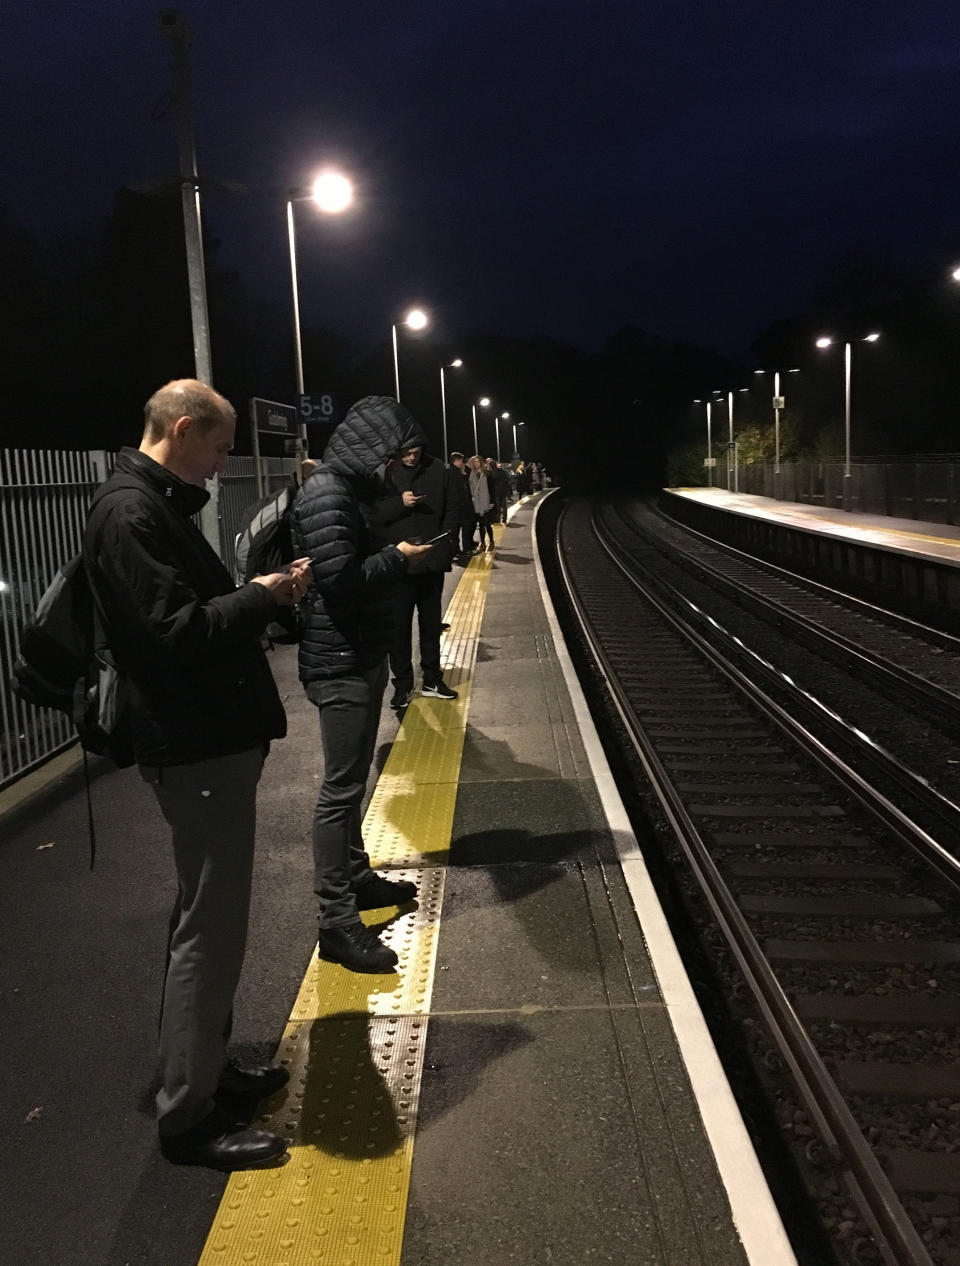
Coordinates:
(837, 904)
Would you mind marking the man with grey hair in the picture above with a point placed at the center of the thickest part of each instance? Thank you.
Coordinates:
(203, 709)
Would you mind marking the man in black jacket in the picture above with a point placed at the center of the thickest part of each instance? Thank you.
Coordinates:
(347, 632)
(419, 503)
(203, 708)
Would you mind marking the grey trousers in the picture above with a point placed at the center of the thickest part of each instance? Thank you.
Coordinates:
(211, 809)
(349, 710)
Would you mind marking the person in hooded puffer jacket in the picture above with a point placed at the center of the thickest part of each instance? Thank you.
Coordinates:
(347, 633)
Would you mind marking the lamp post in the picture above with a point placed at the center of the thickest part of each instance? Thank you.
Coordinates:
(779, 403)
(516, 450)
(848, 370)
(416, 319)
(709, 462)
(484, 403)
(454, 364)
(332, 192)
(499, 416)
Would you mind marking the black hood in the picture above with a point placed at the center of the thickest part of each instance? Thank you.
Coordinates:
(374, 429)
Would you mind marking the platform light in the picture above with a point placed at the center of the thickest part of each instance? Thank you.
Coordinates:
(332, 191)
(416, 319)
(454, 364)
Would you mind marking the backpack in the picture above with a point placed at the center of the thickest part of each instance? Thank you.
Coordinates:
(264, 545)
(64, 664)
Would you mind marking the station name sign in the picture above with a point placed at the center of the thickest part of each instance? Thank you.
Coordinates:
(274, 418)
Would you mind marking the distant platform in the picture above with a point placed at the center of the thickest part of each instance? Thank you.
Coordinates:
(939, 541)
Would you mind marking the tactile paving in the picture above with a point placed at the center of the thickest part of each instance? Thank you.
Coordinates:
(354, 1044)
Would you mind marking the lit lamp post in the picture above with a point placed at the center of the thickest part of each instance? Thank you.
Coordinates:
(332, 192)
(848, 365)
(499, 416)
(454, 364)
(484, 403)
(416, 319)
(516, 450)
(779, 402)
(709, 462)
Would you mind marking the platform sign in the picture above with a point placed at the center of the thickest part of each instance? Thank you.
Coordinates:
(319, 406)
(273, 418)
(779, 402)
(709, 461)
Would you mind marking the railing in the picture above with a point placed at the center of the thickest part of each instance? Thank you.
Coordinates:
(927, 489)
(43, 507)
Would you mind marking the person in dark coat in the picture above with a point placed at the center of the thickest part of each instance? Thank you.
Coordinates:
(203, 709)
(501, 492)
(420, 502)
(468, 519)
(347, 632)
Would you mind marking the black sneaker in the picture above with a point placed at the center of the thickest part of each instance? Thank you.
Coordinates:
(379, 892)
(444, 626)
(400, 699)
(355, 947)
(438, 690)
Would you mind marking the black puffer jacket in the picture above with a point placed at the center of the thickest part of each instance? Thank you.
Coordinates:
(349, 611)
(181, 632)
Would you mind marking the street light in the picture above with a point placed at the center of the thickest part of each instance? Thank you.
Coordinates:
(484, 403)
(516, 450)
(709, 461)
(778, 403)
(499, 416)
(333, 193)
(454, 364)
(823, 342)
(416, 319)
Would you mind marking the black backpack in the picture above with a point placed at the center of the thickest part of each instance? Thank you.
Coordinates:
(264, 545)
(64, 664)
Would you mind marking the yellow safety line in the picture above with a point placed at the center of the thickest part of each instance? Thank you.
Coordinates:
(354, 1044)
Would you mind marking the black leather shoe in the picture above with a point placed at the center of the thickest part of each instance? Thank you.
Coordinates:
(400, 699)
(217, 1143)
(379, 892)
(355, 947)
(258, 1082)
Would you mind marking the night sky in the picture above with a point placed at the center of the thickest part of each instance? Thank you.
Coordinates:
(693, 168)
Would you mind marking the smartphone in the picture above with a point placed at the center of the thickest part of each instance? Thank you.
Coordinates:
(435, 540)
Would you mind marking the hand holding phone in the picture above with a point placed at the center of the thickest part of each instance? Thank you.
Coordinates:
(437, 540)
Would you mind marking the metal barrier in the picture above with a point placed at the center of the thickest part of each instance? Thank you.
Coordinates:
(43, 508)
(906, 489)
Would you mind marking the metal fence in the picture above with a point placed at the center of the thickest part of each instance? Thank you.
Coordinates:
(927, 489)
(43, 506)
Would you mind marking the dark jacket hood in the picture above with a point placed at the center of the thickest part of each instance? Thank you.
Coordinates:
(373, 430)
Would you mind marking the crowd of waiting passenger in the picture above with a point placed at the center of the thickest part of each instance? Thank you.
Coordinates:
(375, 526)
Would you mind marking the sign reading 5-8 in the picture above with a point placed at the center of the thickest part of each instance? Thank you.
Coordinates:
(319, 407)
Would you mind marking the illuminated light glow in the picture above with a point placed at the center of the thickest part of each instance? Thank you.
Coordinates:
(484, 402)
(455, 364)
(332, 192)
(871, 338)
(416, 319)
(3, 586)
(824, 342)
(504, 416)
(956, 274)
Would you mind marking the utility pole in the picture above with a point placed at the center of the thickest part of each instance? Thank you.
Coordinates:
(176, 31)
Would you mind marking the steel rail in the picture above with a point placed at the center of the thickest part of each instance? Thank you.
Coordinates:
(889, 675)
(881, 1208)
(926, 632)
(893, 818)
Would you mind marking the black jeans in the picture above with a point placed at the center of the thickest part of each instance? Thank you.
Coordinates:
(422, 592)
(349, 719)
(485, 526)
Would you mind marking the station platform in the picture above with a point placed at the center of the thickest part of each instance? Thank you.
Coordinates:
(913, 537)
(535, 1084)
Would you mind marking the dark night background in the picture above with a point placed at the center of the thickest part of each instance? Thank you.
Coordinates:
(607, 210)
